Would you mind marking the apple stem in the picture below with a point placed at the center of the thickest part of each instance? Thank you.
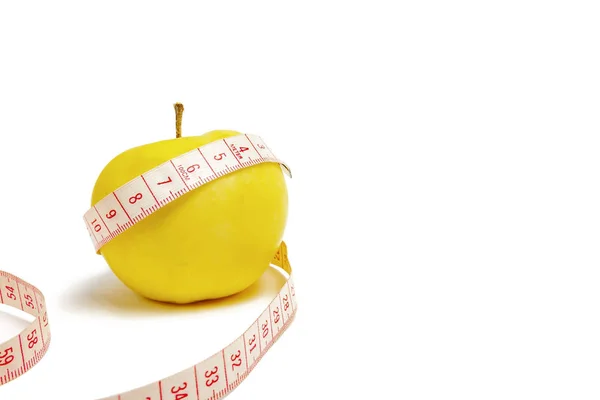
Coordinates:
(178, 115)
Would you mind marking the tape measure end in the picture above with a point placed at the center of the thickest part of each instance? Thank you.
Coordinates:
(286, 170)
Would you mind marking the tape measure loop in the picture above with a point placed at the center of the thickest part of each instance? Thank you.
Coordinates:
(211, 378)
(211, 168)
(21, 352)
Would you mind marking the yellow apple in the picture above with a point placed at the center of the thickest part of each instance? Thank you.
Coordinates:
(212, 242)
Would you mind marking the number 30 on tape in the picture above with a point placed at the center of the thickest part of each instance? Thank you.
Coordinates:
(212, 378)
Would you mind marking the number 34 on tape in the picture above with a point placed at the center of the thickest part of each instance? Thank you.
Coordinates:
(210, 379)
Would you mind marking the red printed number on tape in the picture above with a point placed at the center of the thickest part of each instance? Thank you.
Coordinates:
(219, 374)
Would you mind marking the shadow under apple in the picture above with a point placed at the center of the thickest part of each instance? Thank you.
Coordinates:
(106, 292)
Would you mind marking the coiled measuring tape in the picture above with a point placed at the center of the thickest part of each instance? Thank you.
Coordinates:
(219, 374)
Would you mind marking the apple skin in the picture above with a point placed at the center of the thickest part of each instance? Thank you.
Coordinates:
(212, 242)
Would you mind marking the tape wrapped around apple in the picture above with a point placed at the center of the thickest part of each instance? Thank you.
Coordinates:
(212, 242)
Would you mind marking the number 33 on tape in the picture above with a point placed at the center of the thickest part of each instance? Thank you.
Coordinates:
(216, 376)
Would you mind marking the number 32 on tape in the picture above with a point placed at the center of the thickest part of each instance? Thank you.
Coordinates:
(214, 377)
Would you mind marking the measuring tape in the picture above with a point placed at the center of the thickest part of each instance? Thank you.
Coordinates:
(219, 374)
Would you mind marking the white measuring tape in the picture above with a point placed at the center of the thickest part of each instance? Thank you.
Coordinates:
(214, 377)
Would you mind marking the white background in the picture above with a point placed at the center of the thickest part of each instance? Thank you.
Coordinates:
(444, 211)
